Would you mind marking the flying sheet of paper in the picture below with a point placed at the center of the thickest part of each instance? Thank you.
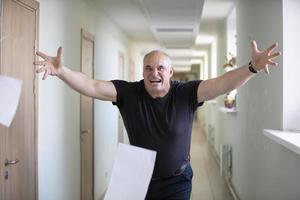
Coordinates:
(10, 91)
(132, 172)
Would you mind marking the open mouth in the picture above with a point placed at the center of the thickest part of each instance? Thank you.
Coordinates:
(155, 81)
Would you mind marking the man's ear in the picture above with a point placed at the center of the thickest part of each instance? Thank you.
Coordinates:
(171, 72)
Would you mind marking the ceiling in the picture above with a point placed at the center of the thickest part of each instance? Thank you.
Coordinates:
(216, 9)
(172, 23)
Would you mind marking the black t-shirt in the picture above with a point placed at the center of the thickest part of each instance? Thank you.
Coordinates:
(161, 124)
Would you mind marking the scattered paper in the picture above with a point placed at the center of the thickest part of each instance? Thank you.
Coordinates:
(131, 174)
(10, 91)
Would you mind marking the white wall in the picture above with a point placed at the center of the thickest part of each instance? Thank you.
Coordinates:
(262, 169)
(59, 116)
(109, 42)
(291, 70)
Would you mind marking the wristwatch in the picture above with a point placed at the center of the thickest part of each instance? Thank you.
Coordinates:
(251, 68)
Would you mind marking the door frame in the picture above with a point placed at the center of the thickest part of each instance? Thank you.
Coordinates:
(88, 36)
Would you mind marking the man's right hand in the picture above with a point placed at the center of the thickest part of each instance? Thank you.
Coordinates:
(102, 90)
(50, 65)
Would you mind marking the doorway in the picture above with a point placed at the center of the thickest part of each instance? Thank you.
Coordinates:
(18, 150)
(87, 120)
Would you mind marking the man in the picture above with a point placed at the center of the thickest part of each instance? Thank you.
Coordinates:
(158, 113)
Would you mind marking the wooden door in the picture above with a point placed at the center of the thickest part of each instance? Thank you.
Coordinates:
(87, 120)
(19, 27)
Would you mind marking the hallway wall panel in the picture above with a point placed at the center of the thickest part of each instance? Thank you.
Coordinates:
(262, 169)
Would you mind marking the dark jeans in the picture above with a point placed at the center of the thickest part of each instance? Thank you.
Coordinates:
(172, 188)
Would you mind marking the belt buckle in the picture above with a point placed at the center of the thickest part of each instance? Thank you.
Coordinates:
(176, 173)
(181, 169)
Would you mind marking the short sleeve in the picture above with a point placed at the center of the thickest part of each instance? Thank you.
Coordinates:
(121, 87)
(191, 92)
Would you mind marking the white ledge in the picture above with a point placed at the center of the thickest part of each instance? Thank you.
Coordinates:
(290, 140)
(228, 110)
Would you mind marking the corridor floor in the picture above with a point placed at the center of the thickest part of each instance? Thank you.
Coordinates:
(207, 182)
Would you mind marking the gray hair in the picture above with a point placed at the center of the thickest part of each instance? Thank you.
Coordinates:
(153, 52)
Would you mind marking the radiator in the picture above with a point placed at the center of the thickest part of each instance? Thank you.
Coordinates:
(225, 160)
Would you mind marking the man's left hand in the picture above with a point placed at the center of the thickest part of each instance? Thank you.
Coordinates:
(262, 59)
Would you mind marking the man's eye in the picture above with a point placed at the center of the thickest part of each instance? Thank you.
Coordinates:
(161, 68)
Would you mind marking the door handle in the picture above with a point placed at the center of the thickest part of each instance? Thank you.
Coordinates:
(11, 162)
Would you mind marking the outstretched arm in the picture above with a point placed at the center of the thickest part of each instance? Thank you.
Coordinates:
(102, 90)
(212, 88)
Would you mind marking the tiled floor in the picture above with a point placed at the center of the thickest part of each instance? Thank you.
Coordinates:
(207, 182)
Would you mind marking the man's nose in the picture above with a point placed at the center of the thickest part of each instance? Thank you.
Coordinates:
(154, 72)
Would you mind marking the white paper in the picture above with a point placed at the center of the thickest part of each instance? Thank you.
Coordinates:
(132, 172)
(10, 91)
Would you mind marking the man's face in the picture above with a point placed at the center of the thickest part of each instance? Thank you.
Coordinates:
(157, 73)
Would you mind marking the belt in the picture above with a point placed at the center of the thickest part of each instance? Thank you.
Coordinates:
(178, 172)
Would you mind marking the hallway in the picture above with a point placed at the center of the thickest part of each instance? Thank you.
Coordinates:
(207, 182)
(204, 39)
